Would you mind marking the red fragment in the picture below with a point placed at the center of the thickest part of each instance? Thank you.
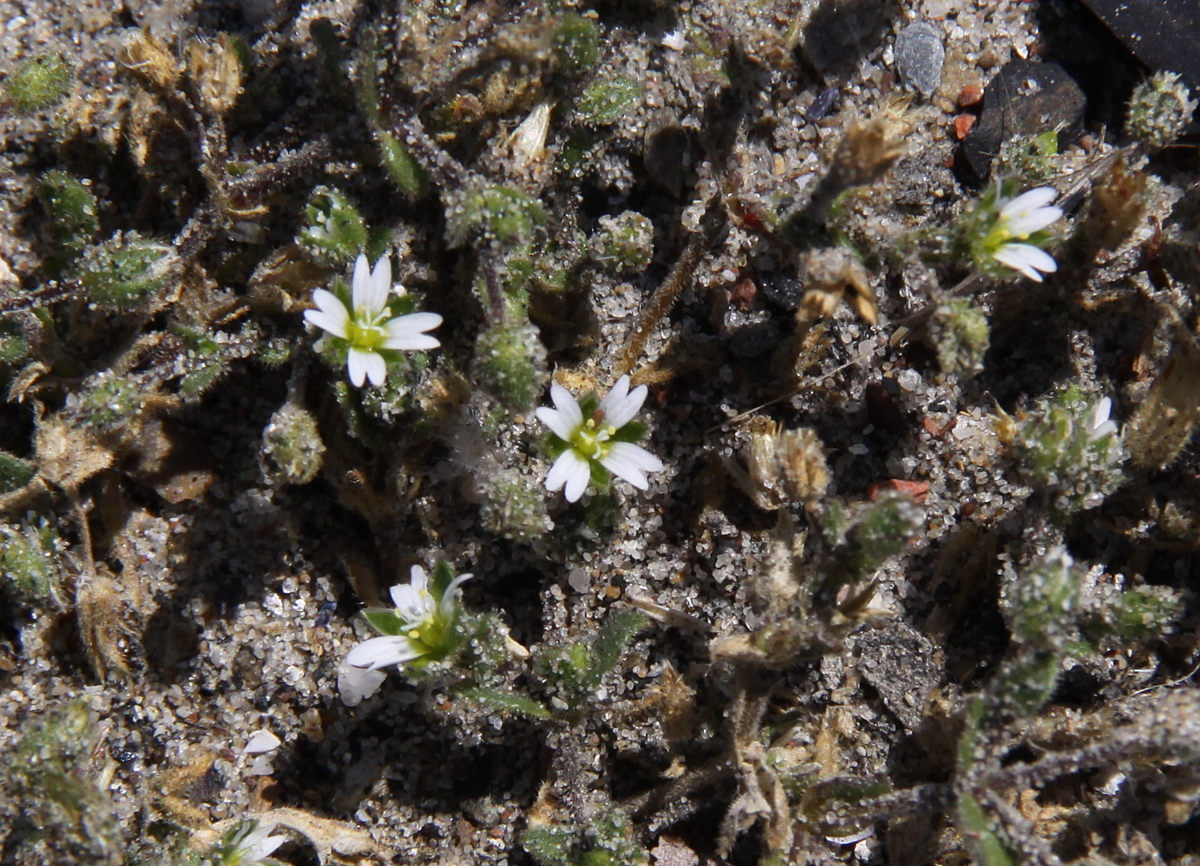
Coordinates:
(916, 489)
(971, 94)
(744, 292)
(962, 125)
(933, 429)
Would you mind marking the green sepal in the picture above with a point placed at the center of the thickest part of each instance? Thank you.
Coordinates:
(555, 446)
(634, 431)
(600, 477)
(384, 620)
(440, 580)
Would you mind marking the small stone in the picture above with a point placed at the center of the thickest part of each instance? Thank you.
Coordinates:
(920, 56)
(963, 124)
(260, 742)
(1024, 99)
(971, 94)
(782, 290)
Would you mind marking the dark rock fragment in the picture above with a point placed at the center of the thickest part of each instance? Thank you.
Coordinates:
(1024, 99)
(898, 662)
(1165, 36)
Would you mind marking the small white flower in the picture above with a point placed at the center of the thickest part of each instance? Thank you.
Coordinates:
(1098, 422)
(591, 440)
(365, 327)
(250, 843)
(1017, 219)
(420, 626)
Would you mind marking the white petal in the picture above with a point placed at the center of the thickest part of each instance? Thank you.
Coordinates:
(357, 366)
(326, 323)
(408, 332)
(262, 741)
(379, 652)
(360, 283)
(370, 363)
(1027, 259)
(418, 578)
(265, 848)
(621, 405)
(452, 594)
(556, 421)
(631, 462)
(331, 314)
(570, 470)
(1026, 224)
(259, 843)
(357, 684)
(412, 605)
(577, 481)
(380, 285)
(564, 401)
(1028, 201)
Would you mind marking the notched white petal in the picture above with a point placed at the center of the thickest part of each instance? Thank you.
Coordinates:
(577, 480)
(1027, 259)
(1026, 224)
(564, 401)
(360, 283)
(622, 405)
(1029, 200)
(407, 333)
(381, 284)
(556, 421)
(380, 652)
(357, 684)
(567, 464)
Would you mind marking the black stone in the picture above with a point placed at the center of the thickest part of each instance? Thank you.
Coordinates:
(1024, 99)
(1164, 34)
(781, 289)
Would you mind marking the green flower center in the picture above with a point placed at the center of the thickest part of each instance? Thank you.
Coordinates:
(591, 438)
(367, 332)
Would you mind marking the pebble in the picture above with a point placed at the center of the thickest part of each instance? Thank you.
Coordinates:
(920, 56)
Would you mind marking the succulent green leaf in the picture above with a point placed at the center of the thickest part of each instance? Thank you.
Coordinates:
(608, 100)
(506, 700)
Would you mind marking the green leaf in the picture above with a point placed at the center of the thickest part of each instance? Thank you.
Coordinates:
(976, 831)
(384, 621)
(404, 171)
(505, 700)
(611, 642)
(607, 101)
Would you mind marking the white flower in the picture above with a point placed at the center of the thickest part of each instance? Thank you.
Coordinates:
(591, 440)
(1098, 422)
(1017, 219)
(418, 626)
(250, 843)
(365, 327)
